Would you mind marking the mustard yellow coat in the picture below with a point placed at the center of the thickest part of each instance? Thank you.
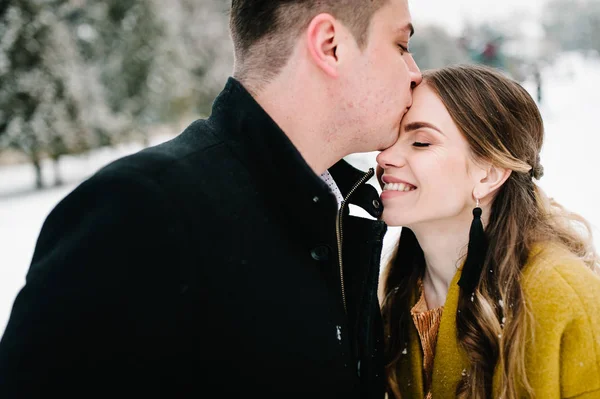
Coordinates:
(564, 359)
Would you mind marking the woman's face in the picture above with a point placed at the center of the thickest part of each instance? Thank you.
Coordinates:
(425, 174)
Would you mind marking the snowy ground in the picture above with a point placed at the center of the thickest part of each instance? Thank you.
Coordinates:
(570, 158)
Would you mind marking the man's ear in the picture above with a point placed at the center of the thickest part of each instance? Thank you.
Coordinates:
(322, 40)
(490, 181)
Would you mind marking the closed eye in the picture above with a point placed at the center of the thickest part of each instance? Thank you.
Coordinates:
(404, 49)
(419, 144)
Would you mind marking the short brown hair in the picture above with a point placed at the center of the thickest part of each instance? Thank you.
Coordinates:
(264, 31)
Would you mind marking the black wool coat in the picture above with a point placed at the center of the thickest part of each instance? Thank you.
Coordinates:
(209, 263)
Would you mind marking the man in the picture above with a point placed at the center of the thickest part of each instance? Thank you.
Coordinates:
(220, 261)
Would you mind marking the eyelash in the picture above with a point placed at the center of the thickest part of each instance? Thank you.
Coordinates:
(420, 145)
(404, 49)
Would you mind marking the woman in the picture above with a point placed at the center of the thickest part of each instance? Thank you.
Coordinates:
(493, 290)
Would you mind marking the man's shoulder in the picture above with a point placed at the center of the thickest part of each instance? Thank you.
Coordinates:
(197, 145)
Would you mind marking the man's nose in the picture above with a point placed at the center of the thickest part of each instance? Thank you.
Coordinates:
(415, 73)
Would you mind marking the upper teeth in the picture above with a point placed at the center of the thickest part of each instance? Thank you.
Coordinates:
(398, 187)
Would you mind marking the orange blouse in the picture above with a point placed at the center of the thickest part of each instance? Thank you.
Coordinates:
(427, 321)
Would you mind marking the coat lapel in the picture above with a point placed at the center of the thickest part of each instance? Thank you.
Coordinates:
(450, 359)
(415, 384)
(411, 364)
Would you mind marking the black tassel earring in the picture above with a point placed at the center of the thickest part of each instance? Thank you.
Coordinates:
(477, 250)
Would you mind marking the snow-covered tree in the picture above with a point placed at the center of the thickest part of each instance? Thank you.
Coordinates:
(40, 84)
(573, 24)
(434, 47)
(194, 57)
(78, 74)
(118, 39)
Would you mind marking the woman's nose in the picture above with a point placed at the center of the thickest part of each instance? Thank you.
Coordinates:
(390, 157)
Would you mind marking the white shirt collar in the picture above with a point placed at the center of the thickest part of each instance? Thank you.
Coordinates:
(328, 179)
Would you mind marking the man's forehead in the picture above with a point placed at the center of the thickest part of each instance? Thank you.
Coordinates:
(398, 9)
(398, 16)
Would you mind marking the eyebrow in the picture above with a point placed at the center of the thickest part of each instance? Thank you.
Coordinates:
(409, 27)
(420, 125)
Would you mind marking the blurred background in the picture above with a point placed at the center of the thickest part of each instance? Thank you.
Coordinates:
(84, 82)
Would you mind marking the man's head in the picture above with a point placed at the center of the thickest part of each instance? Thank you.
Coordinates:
(264, 32)
(348, 57)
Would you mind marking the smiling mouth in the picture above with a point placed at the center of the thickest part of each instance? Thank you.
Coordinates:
(399, 187)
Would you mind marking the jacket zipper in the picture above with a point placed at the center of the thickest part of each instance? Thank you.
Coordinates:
(339, 231)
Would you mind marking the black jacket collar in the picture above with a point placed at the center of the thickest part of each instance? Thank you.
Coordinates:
(267, 151)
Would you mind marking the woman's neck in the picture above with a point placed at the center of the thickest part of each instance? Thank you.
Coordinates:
(443, 247)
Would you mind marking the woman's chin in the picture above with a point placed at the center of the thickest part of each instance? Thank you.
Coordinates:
(395, 220)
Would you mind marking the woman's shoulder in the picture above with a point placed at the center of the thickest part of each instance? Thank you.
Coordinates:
(554, 278)
(563, 295)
